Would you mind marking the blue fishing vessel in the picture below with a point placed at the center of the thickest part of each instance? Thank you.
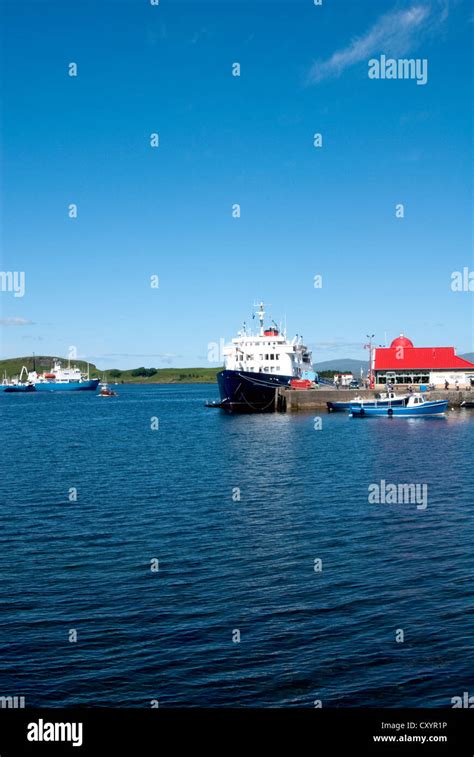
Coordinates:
(415, 405)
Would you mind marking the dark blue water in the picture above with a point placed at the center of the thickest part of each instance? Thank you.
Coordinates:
(227, 565)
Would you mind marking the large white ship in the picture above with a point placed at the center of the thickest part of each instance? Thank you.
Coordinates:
(257, 364)
(60, 379)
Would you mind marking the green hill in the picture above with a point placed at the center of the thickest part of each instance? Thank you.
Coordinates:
(141, 375)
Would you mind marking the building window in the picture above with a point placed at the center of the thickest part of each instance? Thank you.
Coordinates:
(403, 378)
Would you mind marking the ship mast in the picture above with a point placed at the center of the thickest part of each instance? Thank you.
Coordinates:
(260, 314)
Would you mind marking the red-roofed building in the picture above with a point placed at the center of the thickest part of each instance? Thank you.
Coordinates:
(402, 363)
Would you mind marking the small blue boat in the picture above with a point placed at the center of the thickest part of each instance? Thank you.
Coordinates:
(14, 388)
(413, 406)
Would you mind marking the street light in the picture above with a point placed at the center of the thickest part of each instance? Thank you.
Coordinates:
(369, 347)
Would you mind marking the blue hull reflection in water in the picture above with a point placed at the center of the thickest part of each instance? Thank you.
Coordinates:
(230, 563)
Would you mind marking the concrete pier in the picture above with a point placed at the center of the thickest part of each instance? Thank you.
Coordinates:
(307, 400)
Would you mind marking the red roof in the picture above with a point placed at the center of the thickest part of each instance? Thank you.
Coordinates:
(419, 358)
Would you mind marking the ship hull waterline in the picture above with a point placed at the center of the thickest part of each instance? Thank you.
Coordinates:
(436, 408)
(247, 392)
(71, 386)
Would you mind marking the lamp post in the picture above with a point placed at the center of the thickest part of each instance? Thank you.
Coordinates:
(370, 374)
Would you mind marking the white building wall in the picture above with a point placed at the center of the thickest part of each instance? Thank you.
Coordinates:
(439, 377)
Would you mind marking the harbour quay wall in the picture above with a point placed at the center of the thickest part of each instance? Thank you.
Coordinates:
(306, 400)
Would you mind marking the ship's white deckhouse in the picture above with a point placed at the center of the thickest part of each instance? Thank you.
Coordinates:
(267, 352)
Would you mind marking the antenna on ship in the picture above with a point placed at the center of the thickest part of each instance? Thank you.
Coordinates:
(260, 313)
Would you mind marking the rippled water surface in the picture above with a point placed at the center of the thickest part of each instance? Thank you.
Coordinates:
(228, 565)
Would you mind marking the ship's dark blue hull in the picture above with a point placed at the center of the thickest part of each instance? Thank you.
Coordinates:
(246, 392)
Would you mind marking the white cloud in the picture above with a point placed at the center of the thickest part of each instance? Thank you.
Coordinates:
(395, 33)
(15, 322)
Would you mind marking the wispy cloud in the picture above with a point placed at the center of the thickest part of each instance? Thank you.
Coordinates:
(394, 33)
(15, 322)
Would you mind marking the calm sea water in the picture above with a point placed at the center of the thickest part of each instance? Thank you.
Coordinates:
(228, 565)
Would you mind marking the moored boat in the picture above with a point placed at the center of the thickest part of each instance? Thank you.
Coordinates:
(15, 385)
(256, 365)
(414, 405)
(15, 388)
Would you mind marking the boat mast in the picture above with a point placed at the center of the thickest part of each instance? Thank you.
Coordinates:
(261, 315)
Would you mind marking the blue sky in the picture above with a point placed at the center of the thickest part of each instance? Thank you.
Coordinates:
(225, 140)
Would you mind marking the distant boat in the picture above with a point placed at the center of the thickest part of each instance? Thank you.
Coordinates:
(468, 403)
(414, 405)
(15, 385)
(383, 400)
(106, 391)
(18, 388)
(60, 379)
